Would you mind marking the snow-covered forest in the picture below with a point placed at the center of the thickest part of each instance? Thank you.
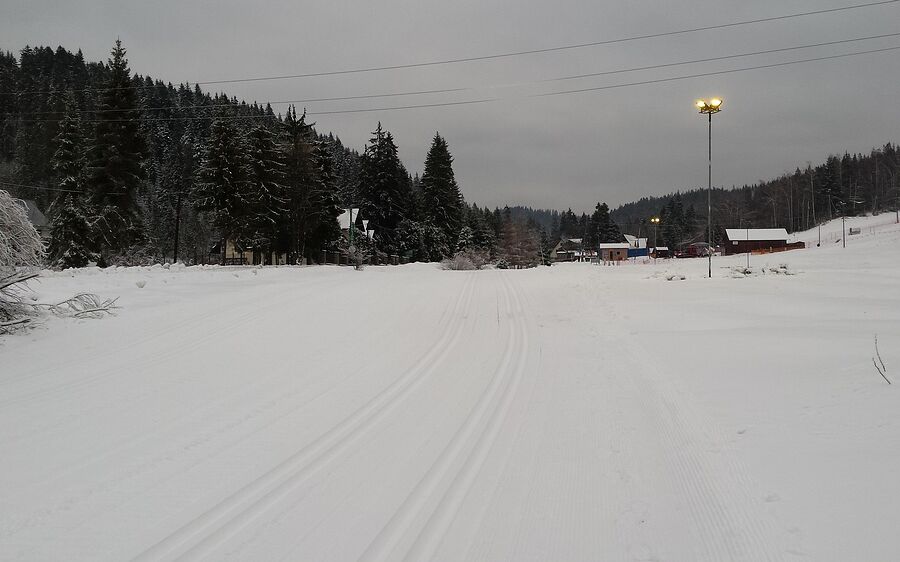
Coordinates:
(135, 170)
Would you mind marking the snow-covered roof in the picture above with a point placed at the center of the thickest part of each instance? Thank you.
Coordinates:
(666, 248)
(635, 242)
(573, 240)
(344, 218)
(756, 234)
(614, 246)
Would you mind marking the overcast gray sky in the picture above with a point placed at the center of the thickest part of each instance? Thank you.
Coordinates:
(555, 152)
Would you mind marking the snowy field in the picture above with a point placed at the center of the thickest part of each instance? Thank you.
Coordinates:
(569, 413)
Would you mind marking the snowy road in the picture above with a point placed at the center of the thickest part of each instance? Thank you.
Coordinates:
(566, 413)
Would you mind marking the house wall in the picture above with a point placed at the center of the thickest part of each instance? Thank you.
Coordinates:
(615, 254)
(744, 246)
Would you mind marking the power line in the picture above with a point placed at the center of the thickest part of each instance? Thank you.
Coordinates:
(455, 90)
(501, 55)
(717, 73)
(552, 49)
(488, 100)
(11, 184)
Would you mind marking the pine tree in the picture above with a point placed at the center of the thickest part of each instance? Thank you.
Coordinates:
(323, 229)
(441, 196)
(606, 231)
(300, 177)
(222, 191)
(266, 192)
(71, 237)
(384, 190)
(116, 171)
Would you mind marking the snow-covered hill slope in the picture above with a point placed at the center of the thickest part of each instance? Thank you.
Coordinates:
(406, 413)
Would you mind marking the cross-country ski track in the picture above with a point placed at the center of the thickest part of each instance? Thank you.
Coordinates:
(407, 414)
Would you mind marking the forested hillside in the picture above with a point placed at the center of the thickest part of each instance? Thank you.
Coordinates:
(133, 170)
(842, 185)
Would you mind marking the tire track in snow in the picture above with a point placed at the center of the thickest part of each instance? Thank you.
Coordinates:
(212, 528)
(470, 446)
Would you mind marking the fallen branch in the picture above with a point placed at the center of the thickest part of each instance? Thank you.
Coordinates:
(83, 305)
(882, 370)
(16, 322)
(879, 354)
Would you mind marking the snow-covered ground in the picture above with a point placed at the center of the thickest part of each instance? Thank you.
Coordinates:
(406, 413)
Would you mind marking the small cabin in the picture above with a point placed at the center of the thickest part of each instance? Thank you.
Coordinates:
(617, 251)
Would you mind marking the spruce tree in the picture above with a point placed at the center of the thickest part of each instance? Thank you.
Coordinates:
(442, 201)
(384, 190)
(312, 191)
(266, 192)
(115, 169)
(71, 238)
(322, 229)
(223, 192)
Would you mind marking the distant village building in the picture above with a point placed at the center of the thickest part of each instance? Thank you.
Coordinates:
(659, 252)
(743, 240)
(637, 247)
(568, 249)
(615, 251)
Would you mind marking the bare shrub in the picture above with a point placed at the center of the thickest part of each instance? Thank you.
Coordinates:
(466, 260)
(357, 256)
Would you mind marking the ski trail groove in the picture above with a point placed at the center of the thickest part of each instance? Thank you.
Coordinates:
(435, 529)
(481, 427)
(217, 524)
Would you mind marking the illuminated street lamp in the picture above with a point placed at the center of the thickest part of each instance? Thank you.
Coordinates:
(655, 222)
(709, 107)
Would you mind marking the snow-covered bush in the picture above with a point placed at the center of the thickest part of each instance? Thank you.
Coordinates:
(20, 243)
(357, 256)
(459, 262)
(466, 260)
(21, 253)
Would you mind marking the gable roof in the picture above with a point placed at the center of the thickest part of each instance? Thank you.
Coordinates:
(756, 234)
(635, 242)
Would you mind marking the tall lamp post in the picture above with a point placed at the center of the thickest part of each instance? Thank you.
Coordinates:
(709, 107)
(655, 222)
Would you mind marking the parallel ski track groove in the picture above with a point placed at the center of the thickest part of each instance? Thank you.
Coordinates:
(431, 536)
(212, 528)
(167, 457)
(481, 427)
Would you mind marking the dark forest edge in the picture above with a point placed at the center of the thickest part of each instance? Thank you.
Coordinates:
(133, 170)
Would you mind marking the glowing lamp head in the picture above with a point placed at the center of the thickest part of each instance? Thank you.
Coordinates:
(700, 104)
(715, 102)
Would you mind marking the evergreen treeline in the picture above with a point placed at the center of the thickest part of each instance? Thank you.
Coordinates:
(132, 170)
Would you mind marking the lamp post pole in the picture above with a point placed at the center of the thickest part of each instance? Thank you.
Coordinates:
(709, 107)
(709, 198)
